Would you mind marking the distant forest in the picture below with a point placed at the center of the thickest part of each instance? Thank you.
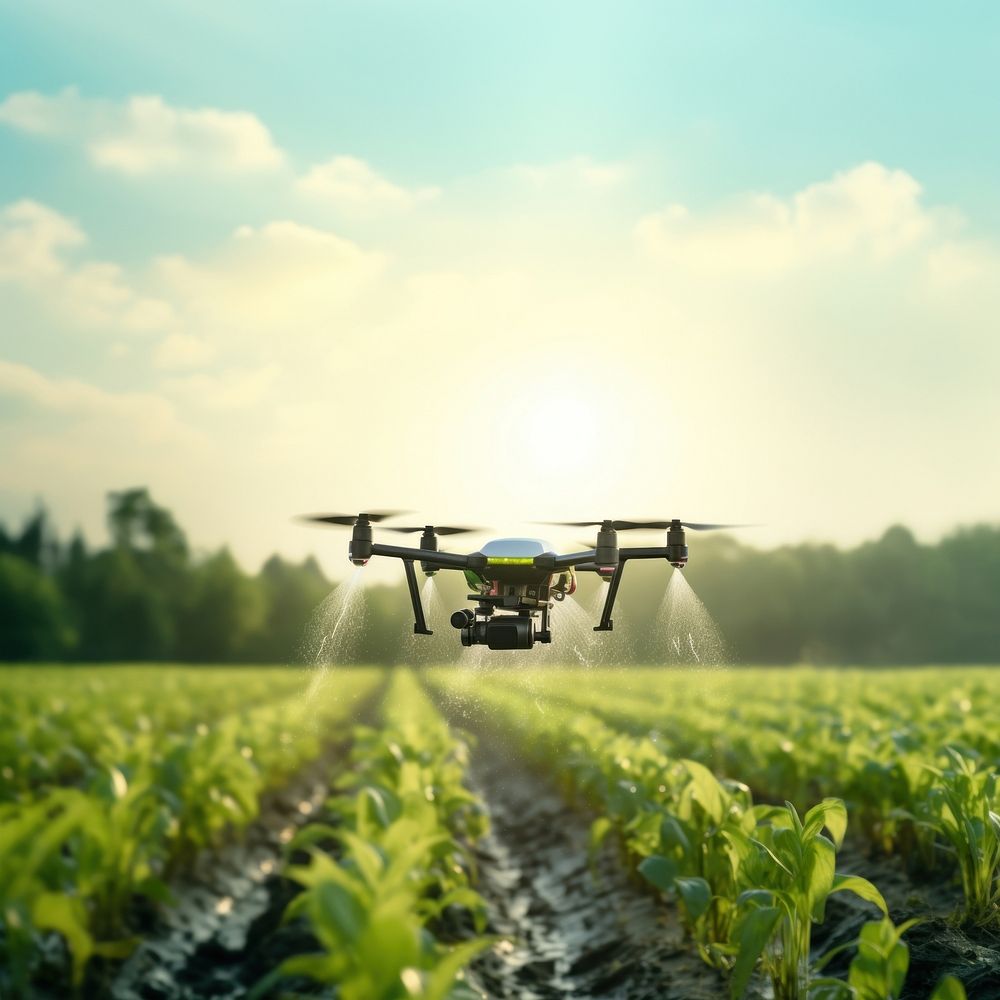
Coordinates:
(146, 596)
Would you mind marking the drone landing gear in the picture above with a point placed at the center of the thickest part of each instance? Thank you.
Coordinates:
(607, 624)
(419, 623)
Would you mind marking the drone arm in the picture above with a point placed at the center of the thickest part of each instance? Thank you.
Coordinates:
(607, 624)
(419, 623)
(653, 552)
(573, 559)
(439, 560)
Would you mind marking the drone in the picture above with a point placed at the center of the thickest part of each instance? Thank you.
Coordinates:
(514, 580)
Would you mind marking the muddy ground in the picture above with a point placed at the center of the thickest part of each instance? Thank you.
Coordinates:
(571, 929)
(569, 926)
(224, 931)
(938, 945)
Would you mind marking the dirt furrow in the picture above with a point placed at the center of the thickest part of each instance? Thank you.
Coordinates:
(570, 928)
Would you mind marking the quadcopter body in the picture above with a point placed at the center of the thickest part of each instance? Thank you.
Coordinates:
(514, 582)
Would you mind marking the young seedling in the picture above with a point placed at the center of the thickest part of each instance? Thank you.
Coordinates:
(788, 866)
(962, 808)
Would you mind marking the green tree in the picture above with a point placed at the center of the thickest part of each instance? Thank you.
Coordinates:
(223, 610)
(290, 592)
(34, 620)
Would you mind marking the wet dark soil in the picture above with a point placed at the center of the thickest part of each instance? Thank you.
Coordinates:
(611, 937)
(224, 932)
(938, 945)
(569, 928)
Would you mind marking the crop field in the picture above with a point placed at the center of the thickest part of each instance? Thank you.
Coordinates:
(459, 832)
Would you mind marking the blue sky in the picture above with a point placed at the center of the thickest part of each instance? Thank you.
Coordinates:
(726, 96)
(455, 167)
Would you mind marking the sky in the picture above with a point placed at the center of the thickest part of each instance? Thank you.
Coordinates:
(498, 263)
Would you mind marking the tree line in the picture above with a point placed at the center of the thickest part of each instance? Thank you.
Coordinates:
(147, 596)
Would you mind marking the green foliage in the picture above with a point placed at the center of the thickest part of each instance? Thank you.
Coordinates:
(964, 808)
(890, 601)
(878, 970)
(147, 797)
(787, 868)
(750, 880)
(405, 820)
(34, 619)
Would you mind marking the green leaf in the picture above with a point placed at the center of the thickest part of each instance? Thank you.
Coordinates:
(949, 988)
(599, 829)
(830, 813)
(751, 935)
(830, 989)
(821, 860)
(442, 976)
(696, 893)
(116, 949)
(879, 968)
(389, 944)
(322, 967)
(672, 834)
(364, 855)
(156, 890)
(52, 911)
(860, 887)
(660, 871)
(706, 789)
(332, 907)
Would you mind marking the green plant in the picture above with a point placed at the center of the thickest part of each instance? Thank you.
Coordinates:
(960, 807)
(788, 866)
(693, 855)
(405, 817)
(878, 970)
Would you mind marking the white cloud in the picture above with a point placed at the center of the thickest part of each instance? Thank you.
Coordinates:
(145, 135)
(35, 243)
(232, 389)
(280, 280)
(152, 417)
(870, 211)
(349, 182)
(577, 171)
(32, 237)
(70, 441)
(183, 350)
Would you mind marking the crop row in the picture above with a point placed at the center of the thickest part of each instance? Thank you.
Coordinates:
(750, 880)
(73, 860)
(402, 820)
(61, 725)
(914, 754)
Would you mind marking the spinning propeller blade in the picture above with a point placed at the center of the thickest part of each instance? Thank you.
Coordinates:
(632, 525)
(435, 529)
(349, 520)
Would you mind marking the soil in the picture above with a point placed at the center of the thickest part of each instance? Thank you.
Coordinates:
(938, 945)
(569, 927)
(224, 931)
(535, 878)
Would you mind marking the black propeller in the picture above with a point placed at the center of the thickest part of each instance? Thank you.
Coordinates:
(434, 529)
(349, 520)
(630, 525)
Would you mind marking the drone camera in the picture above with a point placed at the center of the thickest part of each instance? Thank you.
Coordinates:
(502, 632)
(462, 618)
(510, 632)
